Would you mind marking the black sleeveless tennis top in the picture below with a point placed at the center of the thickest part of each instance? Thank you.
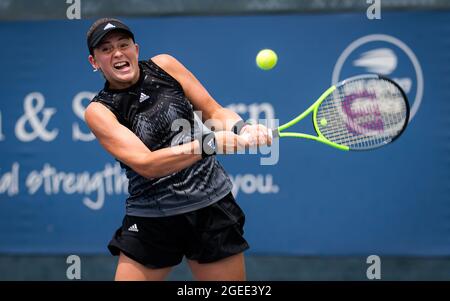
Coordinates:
(148, 109)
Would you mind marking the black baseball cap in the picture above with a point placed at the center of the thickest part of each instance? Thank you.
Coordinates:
(101, 28)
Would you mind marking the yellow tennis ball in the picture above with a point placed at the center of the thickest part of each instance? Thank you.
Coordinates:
(266, 59)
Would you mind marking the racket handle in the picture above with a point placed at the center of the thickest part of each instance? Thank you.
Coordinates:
(274, 133)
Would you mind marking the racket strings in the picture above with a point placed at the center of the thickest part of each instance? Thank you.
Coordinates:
(348, 132)
(363, 113)
(340, 134)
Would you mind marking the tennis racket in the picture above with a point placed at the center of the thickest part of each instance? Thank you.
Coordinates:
(359, 113)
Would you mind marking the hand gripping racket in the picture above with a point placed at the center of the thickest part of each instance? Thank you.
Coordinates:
(360, 113)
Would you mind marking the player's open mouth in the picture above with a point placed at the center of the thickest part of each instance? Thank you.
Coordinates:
(121, 65)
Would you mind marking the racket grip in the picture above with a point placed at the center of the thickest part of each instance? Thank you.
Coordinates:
(274, 133)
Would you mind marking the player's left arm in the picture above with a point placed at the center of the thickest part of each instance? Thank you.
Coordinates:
(218, 118)
(214, 115)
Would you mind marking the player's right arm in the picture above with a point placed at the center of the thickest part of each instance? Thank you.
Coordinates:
(125, 146)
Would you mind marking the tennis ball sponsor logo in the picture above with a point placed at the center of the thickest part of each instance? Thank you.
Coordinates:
(253, 183)
(385, 55)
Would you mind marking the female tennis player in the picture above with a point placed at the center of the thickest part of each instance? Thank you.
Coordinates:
(180, 202)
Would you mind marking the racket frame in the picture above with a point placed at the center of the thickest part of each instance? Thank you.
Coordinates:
(276, 133)
(313, 108)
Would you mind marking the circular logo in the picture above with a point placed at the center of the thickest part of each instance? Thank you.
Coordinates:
(385, 55)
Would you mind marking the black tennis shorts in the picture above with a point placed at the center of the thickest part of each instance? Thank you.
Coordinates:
(205, 235)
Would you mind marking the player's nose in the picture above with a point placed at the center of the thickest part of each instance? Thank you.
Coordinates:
(117, 53)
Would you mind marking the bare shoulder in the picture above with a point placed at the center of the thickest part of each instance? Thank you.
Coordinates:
(94, 109)
(164, 60)
(97, 113)
(170, 64)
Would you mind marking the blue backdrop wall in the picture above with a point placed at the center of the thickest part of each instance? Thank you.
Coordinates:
(61, 193)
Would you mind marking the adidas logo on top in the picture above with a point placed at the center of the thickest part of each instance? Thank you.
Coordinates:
(133, 228)
(143, 97)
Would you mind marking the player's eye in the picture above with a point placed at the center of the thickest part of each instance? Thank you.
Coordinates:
(105, 49)
(124, 45)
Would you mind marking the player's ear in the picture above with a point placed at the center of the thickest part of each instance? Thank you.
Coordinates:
(93, 62)
(137, 48)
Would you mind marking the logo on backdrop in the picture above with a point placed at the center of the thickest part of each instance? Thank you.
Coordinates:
(384, 55)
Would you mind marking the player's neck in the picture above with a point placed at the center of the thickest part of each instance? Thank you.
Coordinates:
(117, 85)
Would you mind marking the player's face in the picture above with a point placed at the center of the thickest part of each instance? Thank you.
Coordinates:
(117, 57)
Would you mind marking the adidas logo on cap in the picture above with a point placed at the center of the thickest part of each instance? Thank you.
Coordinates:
(108, 26)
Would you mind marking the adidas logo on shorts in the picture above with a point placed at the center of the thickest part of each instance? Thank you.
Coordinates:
(133, 228)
